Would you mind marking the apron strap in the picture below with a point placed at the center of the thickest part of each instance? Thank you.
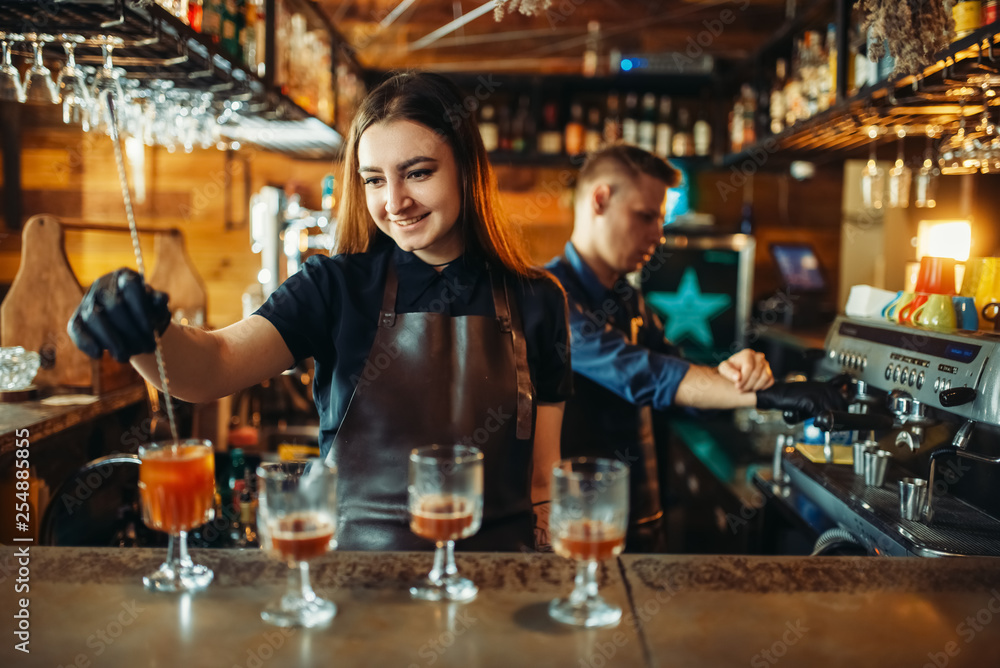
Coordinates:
(509, 321)
(387, 316)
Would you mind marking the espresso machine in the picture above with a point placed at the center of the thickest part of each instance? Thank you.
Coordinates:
(932, 401)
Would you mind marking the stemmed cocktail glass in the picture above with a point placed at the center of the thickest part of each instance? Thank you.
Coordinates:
(588, 522)
(297, 522)
(177, 488)
(446, 504)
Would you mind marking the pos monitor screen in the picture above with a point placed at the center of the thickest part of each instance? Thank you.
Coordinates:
(799, 267)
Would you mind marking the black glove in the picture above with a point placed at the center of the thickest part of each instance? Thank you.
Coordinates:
(119, 314)
(801, 400)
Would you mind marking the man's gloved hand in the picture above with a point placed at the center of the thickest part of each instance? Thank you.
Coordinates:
(119, 314)
(801, 400)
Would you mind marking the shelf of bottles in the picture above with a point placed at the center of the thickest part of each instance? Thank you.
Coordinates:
(801, 109)
(530, 127)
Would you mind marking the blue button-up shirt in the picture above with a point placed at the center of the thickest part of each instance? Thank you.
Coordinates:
(646, 372)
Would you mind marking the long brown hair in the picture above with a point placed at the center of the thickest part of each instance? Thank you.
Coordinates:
(435, 102)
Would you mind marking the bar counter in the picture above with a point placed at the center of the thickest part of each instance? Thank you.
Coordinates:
(87, 607)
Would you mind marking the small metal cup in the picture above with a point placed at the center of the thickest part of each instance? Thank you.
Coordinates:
(860, 448)
(912, 496)
(876, 463)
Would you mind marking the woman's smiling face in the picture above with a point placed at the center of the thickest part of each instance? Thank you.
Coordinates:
(412, 189)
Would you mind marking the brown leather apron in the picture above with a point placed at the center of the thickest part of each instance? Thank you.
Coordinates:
(432, 378)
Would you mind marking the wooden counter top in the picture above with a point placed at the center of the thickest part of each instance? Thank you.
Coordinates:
(43, 420)
(88, 608)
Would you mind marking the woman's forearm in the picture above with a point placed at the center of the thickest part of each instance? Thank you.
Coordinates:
(203, 366)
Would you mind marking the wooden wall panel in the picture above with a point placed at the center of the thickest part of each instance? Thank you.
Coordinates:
(784, 210)
(74, 175)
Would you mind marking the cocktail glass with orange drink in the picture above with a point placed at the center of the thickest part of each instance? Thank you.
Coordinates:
(588, 521)
(297, 523)
(177, 488)
(446, 504)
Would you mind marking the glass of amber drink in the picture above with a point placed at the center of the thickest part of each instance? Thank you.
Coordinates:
(587, 524)
(177, 489)
(446, 504)
(297, 523)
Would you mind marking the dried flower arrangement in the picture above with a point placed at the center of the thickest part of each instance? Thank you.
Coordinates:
(914, 29)
(526, 7)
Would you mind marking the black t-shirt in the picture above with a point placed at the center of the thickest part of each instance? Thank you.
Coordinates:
(329, 311)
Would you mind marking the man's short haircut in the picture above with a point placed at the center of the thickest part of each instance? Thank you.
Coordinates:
(629, 159)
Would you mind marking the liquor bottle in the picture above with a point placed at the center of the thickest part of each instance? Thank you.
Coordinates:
(630, 123)
(550, 136)
(749, 114)
(247, 536)
(328, 200)
(794, 106)
(736, 140)
(682, 144)
(810, 73)
(504, 128)
(237, 467)
(776, 105)
(593, 135)
(232, 27)
(967, 15)
(989, 14)
(831, 68)
(211, 19)
(249, 36)
(488, 128)
(612, 121)
(194, 16)
(647, 123)
(702, 133)
(237, 484)
(823, 72)
(261, 35)
(746, 218)
(521, 126)
(574, 130)
(664, 129)
(590, 53)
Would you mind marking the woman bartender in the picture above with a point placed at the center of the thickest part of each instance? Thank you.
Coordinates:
(428, 326)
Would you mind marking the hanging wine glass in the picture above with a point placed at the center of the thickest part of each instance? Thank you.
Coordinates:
(207, 132)
(162, 111)
(72, 85)
(992, 161)
(899, 176)
(986, 129)
(39, 88)
(108, 78)
(873, 176)
(927, 177)
(958, 153)
(10, 79)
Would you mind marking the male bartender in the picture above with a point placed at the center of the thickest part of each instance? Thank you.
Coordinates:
(623, 366)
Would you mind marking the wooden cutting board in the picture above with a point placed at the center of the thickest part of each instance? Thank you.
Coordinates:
(174, 274)
(41, 300)
(37, 309)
